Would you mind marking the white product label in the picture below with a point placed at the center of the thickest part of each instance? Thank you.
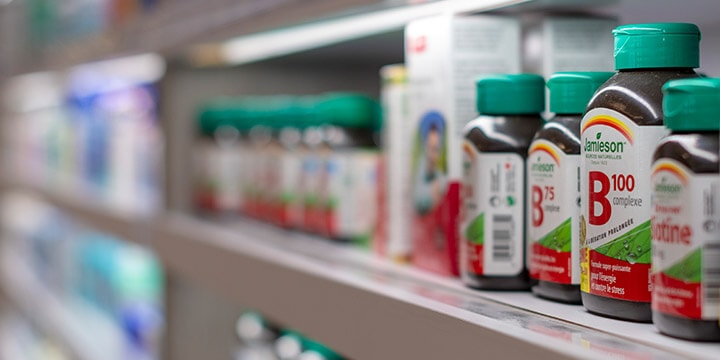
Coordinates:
(397, 142)
(351, 194)
(553, 211)
(493, 221)
(615, 165)
(686, 242)
(217, 176)
(577, 44)
(290, 183)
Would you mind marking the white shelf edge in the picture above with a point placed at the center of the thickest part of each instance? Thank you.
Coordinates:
(276, 43)
(63, 319)
(230, 257)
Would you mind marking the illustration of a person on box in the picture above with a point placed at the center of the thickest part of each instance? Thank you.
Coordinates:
(430, 180)
(431, 250)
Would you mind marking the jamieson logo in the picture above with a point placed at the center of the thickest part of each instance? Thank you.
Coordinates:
(664, 187)
(599, 145)
(674, 170)
(611, 122)
(539, 147)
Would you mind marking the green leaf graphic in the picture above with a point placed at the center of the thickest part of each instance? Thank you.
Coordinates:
(688, 268)
(598, 135)
(632, 246)
(475, 232)
(560, 238)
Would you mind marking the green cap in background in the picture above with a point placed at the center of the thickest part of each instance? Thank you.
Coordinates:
(692, 104)
(570, 92)
(220, 113)
(657, 45)
(506, 94)
(348, 110)
(323, 351)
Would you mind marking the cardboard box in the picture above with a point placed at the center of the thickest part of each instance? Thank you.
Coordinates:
(444, 56)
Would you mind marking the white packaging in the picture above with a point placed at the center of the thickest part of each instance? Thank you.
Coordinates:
(445, 55)
(392, 239)
(562, 43)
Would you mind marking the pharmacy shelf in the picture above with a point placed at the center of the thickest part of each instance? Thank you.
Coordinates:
(321, 287)
(318, 287)
(87, 334)
(294, 39)
(257, 29)
(125, 225)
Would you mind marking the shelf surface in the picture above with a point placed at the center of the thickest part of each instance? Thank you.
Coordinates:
(323, 287)
(350, 298)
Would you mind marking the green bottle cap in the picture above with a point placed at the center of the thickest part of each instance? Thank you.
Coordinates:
(516, 94)
(692, 104)
(657, 45)
(570, 92)
(320, 350)
(348, 110)
(210, 118)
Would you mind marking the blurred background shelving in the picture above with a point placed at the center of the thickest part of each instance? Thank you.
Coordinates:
(200, 50)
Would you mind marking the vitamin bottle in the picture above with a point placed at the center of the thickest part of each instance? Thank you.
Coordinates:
(685, 213)
(494, 153)
(621, 127)
(217, 188)
(290, 138)
(553, 190)
(260, 137)
(350, 160)
(310, 177)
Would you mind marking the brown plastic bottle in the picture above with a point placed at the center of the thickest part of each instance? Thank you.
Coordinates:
(620, 128)
(496, 144)
(553, 190)
(686, 213)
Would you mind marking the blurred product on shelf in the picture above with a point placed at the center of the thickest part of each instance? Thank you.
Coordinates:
(92, 132)
(622, 124)
(567, 43)
(444, 55)
(264, 340)
(93, 272)
(686, 213)
(553, 189)
(494, 247)
(54, 21)
(21, 339)
(392, 237)
(299, 162)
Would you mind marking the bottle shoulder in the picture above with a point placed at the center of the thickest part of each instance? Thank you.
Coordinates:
(637, 94)
(697, 151)
(502, 133)
(563, 131)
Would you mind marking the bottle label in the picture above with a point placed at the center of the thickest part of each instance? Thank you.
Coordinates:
(553, 209)
(290, 204)
(493, 220)
(686, 242)
(349, 190)
(616, 156)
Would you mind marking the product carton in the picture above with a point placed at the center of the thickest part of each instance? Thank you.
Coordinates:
(444, 56)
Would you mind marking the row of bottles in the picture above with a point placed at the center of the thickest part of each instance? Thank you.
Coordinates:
(306, 163)
(598, 205)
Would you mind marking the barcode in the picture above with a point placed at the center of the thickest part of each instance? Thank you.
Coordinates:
(711, 274)
(502, 245)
